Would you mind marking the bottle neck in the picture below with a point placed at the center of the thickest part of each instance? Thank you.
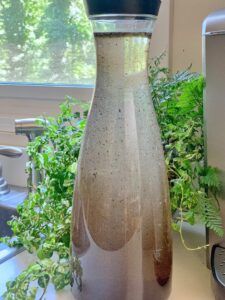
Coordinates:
(123, 23)
(122, 58)
(122, 48)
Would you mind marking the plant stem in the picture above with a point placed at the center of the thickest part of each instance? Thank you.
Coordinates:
(44, 292)
(181, 227)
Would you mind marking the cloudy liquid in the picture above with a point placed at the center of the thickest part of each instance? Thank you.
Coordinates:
(121, 214)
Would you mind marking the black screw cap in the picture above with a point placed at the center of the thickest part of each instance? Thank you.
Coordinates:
(137, 7)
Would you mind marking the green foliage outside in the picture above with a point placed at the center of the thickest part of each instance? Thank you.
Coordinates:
(43, 225)
(46, 41)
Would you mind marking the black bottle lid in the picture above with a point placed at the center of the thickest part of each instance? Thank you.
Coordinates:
(123, 7)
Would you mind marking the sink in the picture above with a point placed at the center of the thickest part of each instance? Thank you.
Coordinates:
(8, 205)
(7, 252)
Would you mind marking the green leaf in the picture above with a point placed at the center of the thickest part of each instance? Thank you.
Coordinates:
(44, 281)
(44, 253)
(175, 227)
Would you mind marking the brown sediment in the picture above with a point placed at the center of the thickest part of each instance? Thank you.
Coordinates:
(121, 216)
(163, 266)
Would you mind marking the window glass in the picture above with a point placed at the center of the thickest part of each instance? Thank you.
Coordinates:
(46, 41)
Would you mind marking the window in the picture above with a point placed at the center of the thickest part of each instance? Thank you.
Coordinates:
(45, 42)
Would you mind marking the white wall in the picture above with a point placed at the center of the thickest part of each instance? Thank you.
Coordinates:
(188, 16)
(161, 39)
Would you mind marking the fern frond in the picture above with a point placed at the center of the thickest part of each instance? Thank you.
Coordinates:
(209, 178)
(209, 214)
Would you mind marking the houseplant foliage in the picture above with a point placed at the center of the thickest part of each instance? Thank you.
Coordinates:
(43, 225)
(194, 188)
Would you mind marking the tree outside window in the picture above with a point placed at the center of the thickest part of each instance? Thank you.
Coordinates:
(45, 41)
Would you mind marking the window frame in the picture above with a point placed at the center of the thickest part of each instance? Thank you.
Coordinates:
(32, 91)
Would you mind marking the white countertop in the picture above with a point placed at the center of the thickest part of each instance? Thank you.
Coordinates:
(191, 278)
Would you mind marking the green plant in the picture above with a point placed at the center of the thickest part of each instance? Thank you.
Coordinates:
(43, 225)
(178, 102)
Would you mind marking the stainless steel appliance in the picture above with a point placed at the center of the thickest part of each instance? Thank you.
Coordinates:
(214, 109)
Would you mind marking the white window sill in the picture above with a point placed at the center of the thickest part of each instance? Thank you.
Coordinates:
(44, 91)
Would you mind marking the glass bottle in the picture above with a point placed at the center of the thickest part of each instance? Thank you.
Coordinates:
(121, 215)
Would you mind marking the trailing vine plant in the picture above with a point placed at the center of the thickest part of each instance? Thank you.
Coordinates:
(194, 188)
(43, 224)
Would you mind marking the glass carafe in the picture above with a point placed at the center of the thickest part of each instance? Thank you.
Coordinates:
(121, 214)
